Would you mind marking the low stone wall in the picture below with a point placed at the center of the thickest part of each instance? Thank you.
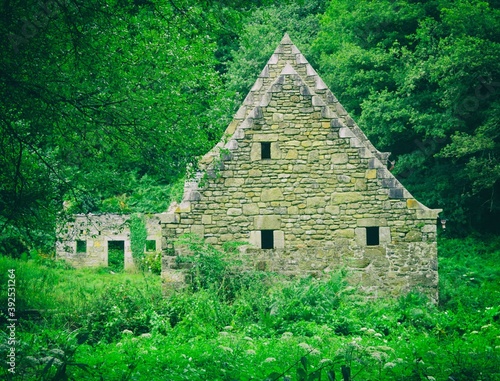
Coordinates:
(94, 232)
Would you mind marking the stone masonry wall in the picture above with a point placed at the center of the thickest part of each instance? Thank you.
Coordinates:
(323, 186)
(97, 231)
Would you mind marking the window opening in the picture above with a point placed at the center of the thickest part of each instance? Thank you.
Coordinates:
(81, 246)
(372, 236)
(151, 245)
(267, 239)
(265, 150)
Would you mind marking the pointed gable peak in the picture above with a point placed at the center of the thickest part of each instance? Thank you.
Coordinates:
(286, 40)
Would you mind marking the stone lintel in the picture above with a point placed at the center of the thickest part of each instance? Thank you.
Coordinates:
(367, 222)
(267, 222)
(265, 137)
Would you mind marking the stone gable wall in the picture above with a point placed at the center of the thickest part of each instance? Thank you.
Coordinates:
(324, 185)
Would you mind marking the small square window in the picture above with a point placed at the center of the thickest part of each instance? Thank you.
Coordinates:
(372, 236)
(265, 150)
(267, 239)
(81, 246)
(151, 245)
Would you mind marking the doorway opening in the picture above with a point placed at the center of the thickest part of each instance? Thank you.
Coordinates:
(116, 255)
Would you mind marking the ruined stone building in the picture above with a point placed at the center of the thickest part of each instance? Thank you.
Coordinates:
(297, 179)
(86, 240)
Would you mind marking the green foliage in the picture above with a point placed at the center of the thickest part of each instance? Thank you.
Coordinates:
(138, 236)
(421, 79)
(121, 326)
(468, 273)
(152, 262)
(95, 94)
(212, 269)
(116, 257)
(262, 30)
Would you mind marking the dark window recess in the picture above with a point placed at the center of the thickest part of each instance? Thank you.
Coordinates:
(150, 245)
(265, 150)
(116, 255)
(267, 239)
(81, 246)
(372, 236)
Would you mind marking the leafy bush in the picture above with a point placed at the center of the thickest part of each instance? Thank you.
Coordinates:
(152, 262)
(254, 325)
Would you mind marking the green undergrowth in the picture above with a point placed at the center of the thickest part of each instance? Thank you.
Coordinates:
(231, 325)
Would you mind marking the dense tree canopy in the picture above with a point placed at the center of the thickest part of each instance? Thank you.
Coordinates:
(422, 80)
(104, 103)
(94, 96)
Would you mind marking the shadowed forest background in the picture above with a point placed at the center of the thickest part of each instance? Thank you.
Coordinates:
(104, 103)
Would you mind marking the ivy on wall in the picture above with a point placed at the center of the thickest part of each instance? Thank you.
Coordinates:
(138, 236)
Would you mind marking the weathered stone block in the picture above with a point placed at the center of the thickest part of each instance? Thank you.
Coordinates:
(250, 209)
(199, 230)
(234, 211)
(273, 194)
(360, 185)
(277, 117)
(234, 182)
(426, 214)
(332, 209)
(313, 157)
(168, 218)
(255, 173)
(371, 174)
(411, 203)
(366, 222)
(344, 233)
(256, 152)
(385, 235)
(206, 219)
(396, 193)
(268, 222)
(346, 197)
(279, 239)
(315, 202)
(413, 236)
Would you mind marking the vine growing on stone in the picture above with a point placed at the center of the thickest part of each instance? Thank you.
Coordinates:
(138, 236)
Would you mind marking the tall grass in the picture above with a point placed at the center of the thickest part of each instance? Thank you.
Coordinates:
(247, 326)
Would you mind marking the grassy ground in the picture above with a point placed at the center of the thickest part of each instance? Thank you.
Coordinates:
(94, 325)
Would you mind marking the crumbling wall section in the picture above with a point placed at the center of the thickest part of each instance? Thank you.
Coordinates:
(83, 239)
